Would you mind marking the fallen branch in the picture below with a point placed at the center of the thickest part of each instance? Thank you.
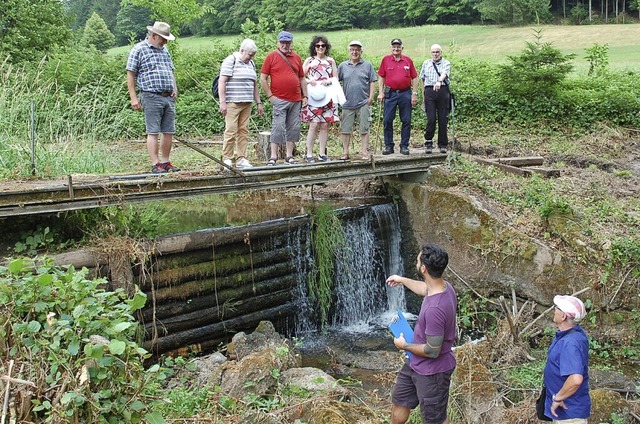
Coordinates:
(469, 286)
(5, 405)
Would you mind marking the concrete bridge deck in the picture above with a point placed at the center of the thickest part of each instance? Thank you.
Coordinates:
(92, 191)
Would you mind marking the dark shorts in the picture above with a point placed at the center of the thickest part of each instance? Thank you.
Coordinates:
(431, 392)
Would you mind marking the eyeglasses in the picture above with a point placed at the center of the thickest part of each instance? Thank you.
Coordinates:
(321, 46)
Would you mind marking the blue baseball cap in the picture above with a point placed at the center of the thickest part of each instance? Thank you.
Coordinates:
(285, 36)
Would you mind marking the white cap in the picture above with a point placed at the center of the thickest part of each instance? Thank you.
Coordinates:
(355, 43)
(571, 306)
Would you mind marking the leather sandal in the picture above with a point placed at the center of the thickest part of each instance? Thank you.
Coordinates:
(344, 157)
(290, 160)
(272, 162)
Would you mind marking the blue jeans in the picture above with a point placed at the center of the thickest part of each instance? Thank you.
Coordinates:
(395, 101)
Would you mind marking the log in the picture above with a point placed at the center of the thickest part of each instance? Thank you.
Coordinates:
(213, 314)
(222, 236)
(175, 308)
(504, 167)
(81, 258)
(217, 330)
(520, 161)
(221, 267)
(197, 288)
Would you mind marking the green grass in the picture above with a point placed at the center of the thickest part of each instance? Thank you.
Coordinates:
(469, 41)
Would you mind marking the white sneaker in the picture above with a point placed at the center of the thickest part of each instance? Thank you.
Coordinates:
(227, 162)
(243, 163)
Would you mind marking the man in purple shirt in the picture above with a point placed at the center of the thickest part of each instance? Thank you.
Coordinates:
(425, 379)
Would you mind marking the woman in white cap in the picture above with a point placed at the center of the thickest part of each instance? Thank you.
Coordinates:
(566, 374)
(321, 71)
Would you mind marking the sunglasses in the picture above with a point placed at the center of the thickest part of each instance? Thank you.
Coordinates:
(321, 46)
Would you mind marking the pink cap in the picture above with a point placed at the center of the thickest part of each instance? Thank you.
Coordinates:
(572, 306)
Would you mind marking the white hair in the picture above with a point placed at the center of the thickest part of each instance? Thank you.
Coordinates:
(248, 45)
(436, 47)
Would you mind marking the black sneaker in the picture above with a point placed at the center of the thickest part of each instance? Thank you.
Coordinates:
(429, 146)
(387, 151)
(404, 150)
(443, 149)
(158, 169)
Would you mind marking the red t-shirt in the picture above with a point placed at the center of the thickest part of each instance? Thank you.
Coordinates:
(397, 74)
(285, 84)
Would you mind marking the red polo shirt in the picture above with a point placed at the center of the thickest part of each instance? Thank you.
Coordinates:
(397, 74)
(285, 84)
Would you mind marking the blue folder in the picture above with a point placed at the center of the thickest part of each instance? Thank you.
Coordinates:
(400, 325)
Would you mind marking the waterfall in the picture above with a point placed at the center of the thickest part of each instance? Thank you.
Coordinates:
(371, 253)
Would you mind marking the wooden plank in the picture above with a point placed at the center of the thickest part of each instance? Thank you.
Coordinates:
(520, 161)
(504, 167)
(546, 172)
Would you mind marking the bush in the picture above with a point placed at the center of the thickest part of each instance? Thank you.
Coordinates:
(75, 341)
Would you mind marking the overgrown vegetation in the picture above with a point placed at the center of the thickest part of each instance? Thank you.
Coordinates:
(327, 237)
(75, 341)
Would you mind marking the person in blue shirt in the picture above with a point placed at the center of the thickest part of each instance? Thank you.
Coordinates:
(566, 373)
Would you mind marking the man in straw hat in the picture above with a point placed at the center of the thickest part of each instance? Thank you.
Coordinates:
(150, 66)
(566, 374)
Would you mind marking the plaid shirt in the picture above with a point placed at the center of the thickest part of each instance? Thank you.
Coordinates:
(429, 75)
(153, 67)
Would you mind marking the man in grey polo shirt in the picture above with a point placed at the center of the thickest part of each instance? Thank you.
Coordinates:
(358, 77)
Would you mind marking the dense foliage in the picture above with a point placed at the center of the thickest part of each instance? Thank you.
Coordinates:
(74, 340)
(30, 28)
(207, 17)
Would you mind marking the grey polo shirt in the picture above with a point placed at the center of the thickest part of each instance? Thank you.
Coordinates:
(356, 80)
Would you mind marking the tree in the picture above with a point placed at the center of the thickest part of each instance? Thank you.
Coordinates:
(175, 13)
(515, 12)
(132, 23)
(97, 34)
(30, 29)
(537, 71)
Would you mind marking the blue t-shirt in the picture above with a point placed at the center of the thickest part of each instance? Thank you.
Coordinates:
(568, 354)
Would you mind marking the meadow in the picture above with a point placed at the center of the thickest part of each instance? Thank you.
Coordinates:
(490, 43)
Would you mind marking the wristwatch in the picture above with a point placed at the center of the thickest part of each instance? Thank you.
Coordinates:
(553, 399)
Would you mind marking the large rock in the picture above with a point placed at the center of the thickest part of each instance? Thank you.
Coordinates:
(312, 381)
(492, 256)
(262, 357)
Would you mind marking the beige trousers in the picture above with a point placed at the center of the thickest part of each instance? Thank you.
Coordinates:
(236, 131)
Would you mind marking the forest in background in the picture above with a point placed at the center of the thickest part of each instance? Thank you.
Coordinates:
(28, 26)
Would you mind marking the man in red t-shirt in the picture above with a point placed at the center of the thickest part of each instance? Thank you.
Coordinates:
(282, 79)
(398, 89)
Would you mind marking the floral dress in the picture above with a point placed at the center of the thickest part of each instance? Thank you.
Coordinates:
(319, 70)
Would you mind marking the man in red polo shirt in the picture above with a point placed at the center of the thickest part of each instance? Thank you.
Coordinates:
(398, 89)
(282, 79)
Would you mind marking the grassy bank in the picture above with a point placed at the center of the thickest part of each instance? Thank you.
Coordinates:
(490, 43)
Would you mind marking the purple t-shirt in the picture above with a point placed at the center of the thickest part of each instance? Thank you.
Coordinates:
(437, 318)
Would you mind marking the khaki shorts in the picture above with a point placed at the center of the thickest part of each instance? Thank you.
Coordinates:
(572, 421)
(349, 116)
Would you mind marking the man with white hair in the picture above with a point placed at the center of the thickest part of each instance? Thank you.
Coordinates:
(238, 90)
(566, 374)
(435, 77)
(150, 67)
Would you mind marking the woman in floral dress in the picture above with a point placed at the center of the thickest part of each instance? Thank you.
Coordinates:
(319, 68)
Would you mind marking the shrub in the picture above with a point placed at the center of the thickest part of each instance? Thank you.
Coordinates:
(75, 341)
